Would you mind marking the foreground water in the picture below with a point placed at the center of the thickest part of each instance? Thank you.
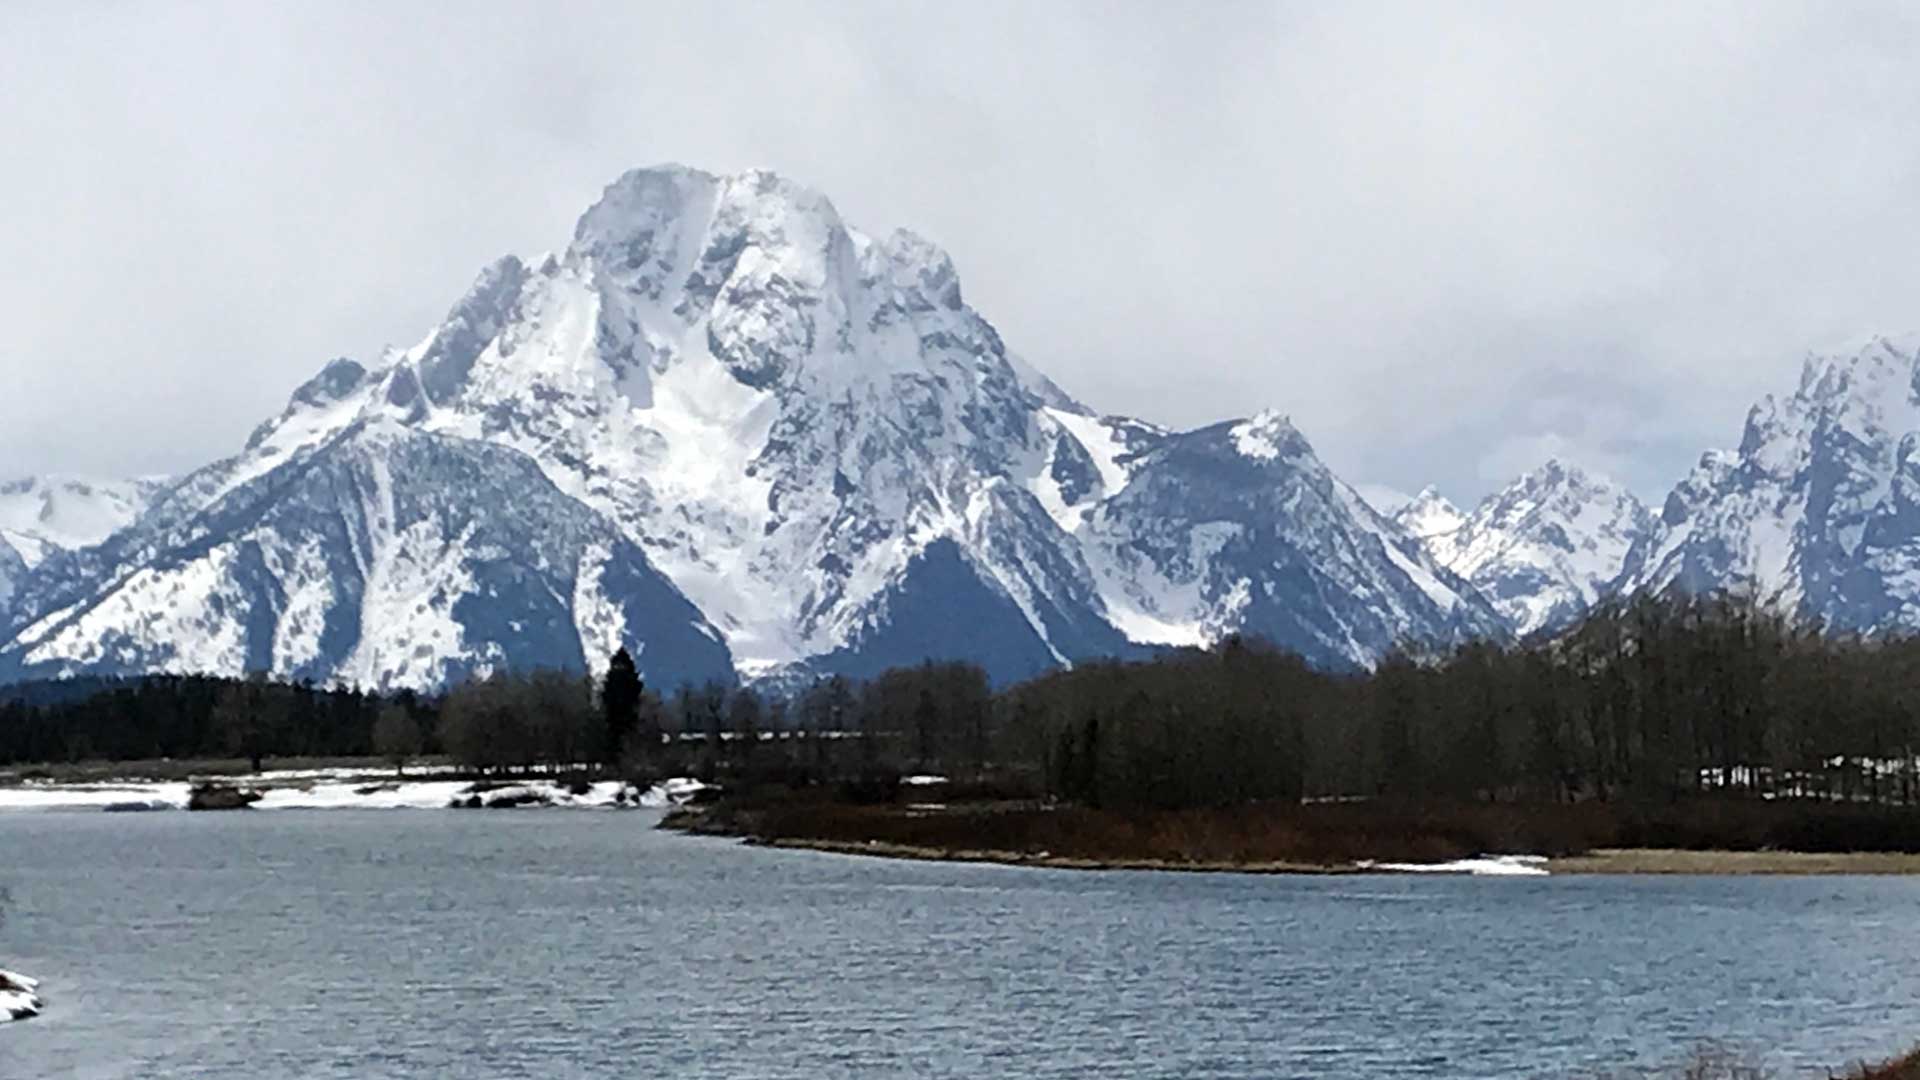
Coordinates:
(572, 943)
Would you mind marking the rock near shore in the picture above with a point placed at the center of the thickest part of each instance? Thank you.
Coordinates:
(220, 797)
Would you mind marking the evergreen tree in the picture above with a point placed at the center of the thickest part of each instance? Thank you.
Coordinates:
(620, 696)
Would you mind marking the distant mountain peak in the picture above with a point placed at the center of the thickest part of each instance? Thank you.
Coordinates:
(1266, 436)
(1542, 549)
(1429, 514)
(58, 511)
(1818, 510)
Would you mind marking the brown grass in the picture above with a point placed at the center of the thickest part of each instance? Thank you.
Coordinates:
(1265, 835)
(1670, 861)
(1702, 837)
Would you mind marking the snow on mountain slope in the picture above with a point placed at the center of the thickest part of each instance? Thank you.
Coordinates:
(43, 514)
(1542, 550)
(1088, 458)
(383, 558)
(1818, 511)
(1239, 527)
(784, 411)
(803, 427)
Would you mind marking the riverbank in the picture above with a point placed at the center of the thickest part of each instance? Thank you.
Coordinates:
(1261, 838)
(1736, 863)
(1615, 861)
(1903, 1068)
(1327, 838)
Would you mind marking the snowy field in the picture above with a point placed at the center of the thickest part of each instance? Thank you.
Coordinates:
(342, 789)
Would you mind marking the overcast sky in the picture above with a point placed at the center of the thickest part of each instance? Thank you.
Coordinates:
(1448, 240)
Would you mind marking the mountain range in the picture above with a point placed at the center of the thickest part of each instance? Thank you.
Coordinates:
(1542, 550)
(727, 430)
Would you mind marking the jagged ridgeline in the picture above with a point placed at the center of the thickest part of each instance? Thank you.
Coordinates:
(733, 434)
(1816, 514)
(730, 432)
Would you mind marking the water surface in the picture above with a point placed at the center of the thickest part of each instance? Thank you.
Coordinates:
(574, 943)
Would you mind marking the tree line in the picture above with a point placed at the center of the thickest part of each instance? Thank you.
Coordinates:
(1653, 698)
(186, 716)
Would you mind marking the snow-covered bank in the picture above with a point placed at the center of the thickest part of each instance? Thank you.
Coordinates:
(1483, 866)
(334, 790)
(19, 997)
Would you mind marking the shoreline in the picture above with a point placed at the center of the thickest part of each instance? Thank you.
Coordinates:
(1618, 862)
(1044, 860)
(1671, 862)
(429, 787)
(1614, 862)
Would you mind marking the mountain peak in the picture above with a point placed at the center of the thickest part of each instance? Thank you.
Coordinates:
(1542, 549)
(722, 395)
(1266, 436)
(1429, 514)
(1811, 511)
(643, 198)
(1552, 471)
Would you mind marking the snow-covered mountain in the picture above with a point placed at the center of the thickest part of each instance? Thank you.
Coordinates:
(41, 515)
(723, 392)
(379, 556)
(13, 569)
(1818, 510)
(1542, 550)
(1240, 527)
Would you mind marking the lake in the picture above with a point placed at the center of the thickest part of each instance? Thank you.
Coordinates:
(579, 943)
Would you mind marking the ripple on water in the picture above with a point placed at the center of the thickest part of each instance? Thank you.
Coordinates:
(350, 944)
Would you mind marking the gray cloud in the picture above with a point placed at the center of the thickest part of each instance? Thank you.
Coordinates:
(1445, 239)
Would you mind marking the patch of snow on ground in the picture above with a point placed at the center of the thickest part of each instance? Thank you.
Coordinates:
(365, 795)
(672, 792)
(1482, 866)
(149, 796)
(339, 789)
(19, 998)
